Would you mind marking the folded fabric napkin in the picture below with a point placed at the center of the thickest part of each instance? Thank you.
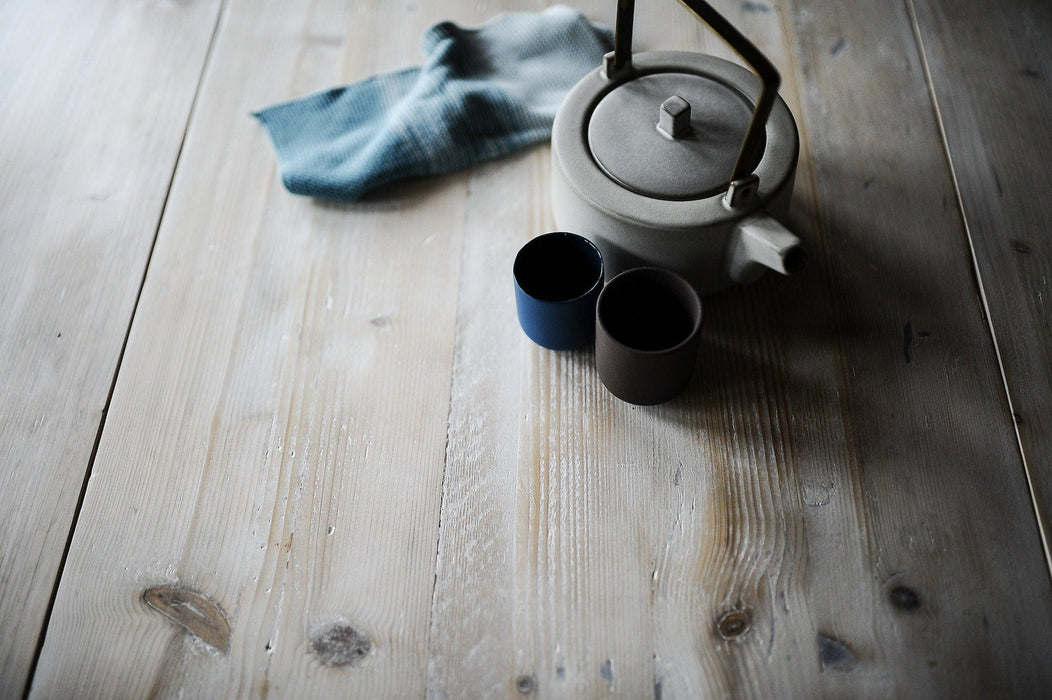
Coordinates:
(481, 93)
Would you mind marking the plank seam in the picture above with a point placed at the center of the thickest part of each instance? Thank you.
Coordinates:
(120, 359)
(1042, 526)
(455, 360)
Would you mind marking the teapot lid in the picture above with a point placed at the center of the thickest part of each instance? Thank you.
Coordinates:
(670, 135)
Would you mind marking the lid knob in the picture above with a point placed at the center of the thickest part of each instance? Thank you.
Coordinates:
(618, 65)
(674, 118)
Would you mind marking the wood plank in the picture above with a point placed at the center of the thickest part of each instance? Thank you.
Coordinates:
(837, 506)
(936, 468)
(93, 106)
(533, 568)
(839, 498)
(989, 67)
(273, 457)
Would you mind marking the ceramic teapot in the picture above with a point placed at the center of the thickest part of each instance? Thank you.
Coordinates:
(679, 160)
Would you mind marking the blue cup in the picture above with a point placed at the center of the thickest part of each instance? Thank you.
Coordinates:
(558, 277)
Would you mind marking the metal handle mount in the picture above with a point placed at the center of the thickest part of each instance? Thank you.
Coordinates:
(743, 182)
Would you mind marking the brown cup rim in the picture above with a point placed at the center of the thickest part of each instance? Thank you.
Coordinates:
(668, 274)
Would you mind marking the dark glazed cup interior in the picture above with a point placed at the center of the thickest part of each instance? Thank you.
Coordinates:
(648, 328)
(558, 277)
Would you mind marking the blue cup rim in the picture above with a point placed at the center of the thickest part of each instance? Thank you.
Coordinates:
(547, 238)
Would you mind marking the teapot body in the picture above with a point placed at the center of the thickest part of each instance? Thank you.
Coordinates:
(701, 237)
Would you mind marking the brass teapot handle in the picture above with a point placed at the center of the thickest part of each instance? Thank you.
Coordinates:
(753, 145)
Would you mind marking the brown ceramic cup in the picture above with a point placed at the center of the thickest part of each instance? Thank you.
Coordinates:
(647, 332)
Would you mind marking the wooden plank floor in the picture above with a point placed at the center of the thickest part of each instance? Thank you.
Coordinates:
(93, 110)
(257, 445)
(990, 72)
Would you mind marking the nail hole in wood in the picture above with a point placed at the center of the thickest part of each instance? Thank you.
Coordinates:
(525, 684)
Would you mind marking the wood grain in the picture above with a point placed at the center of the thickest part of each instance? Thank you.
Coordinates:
(277, 433)
(989, 67)
(821, 515)
(333, 465)
(93, 106)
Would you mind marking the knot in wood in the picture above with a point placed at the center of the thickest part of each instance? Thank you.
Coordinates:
(734, 624)
(193, 611)
(904, 598)
(834, 654)
(340, 644)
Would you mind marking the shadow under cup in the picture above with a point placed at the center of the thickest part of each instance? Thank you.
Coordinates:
(558, 277)
(648, 329)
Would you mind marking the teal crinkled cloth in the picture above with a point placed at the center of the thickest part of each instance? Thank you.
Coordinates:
(481, 93)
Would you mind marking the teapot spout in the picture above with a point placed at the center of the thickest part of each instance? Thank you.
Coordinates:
(760, 243)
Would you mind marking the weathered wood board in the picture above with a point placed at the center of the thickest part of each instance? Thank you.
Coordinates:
(822, 514)
(334, 466)
(991, 71)
(264, 505)
(94, 101)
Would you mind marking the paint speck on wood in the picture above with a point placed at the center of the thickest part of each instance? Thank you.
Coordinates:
(751, 6)
(340, 644)
(196, 613)
(834, 655)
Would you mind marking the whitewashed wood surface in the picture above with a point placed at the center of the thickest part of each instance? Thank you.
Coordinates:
(93, 109)
(333, 466)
